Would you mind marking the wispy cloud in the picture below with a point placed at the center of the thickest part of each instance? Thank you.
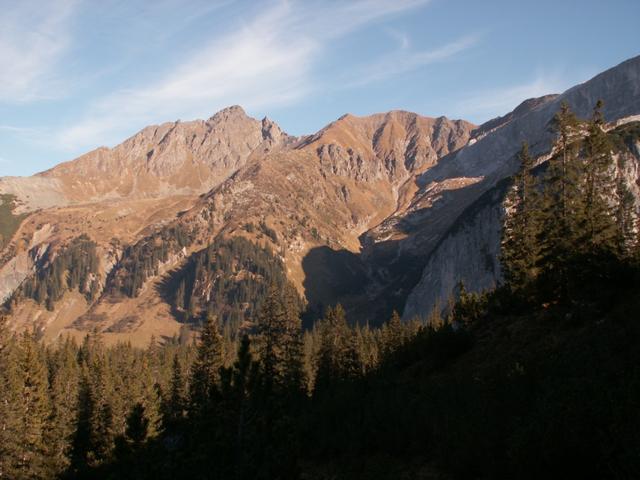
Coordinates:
(401, 38)
(404, 59)
(13, 129)
(34, 35)
(494, 102)
(265, 57)
(267, 62)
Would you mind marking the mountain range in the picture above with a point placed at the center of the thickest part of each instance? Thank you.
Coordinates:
(380, 213)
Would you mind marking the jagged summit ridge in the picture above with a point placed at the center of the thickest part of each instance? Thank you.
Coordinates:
(230, 111)
(392, 145)
(173, 158)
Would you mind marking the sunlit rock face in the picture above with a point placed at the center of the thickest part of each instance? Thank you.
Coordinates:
(468, 251)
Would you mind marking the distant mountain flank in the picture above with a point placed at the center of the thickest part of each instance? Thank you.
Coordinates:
(382, 212)
(230, 175)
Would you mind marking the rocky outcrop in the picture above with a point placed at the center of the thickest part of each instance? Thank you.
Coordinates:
(13, 273)
(468, 253)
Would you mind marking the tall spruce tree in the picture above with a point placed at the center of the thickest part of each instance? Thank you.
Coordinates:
(34, 411)
(94, 433)
(295, 380)
(10, 405)
(280, 344)
(137, 426)
(239, 384)
(174, 406)
(333, 349)
(520, 248)
(150, 398)
(81, 441)
(393, 334)
(205, 371)
(64, 375)
(561, 199)
(352, 366)
(102, 421)
(597, 218)
(280, 384)
(626, 217)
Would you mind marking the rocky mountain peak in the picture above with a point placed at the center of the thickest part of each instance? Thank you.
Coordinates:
(271, 131)
(391, 146)
(173, 158)
(227, 113)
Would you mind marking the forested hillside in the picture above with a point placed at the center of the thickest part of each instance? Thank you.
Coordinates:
(229, 279)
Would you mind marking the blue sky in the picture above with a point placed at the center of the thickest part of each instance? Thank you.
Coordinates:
(75, 75)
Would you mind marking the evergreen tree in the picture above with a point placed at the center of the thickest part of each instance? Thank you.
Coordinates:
(468, 308)
(598, 222)
(64, 375)
(625, 218)
(561, 200)
(174, 406)
(94, 434)
(129, 445)
(294, 379)
(137, 428)
(393, 335)
(31, 461)
(11, 384)
(240, 410)
(280, 384)
(280, 342)
(435, 319)
(102, 421)
(520, 250)
(334, 342)
(150, 399)
(81, 442)
(352, 367)
(205, 372)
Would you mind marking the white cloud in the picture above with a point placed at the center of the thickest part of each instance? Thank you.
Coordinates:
(267, 62)
(34, 35)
